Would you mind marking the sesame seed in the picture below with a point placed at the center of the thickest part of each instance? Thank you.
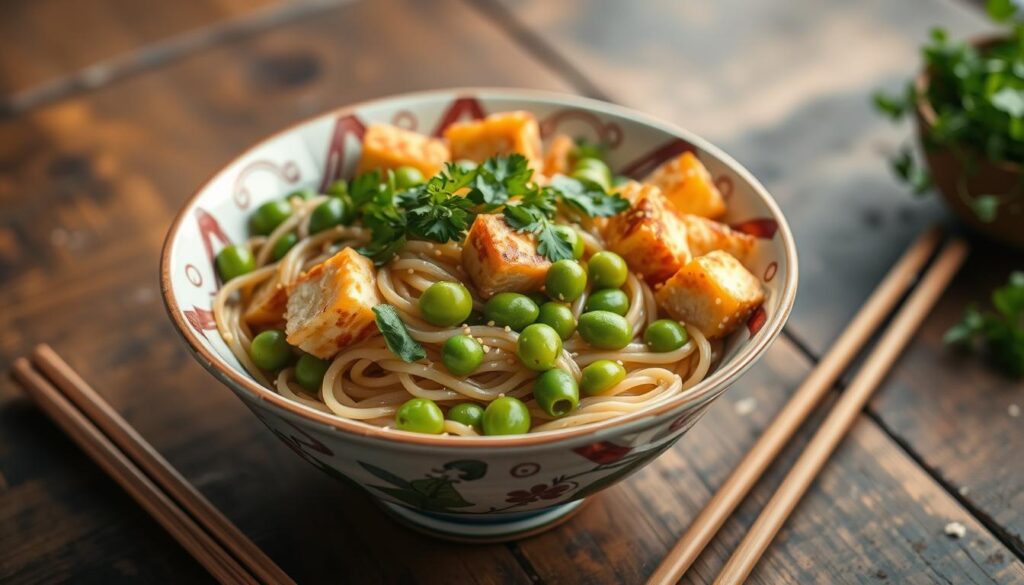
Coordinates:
(507, 328)
(487, 349)
(956, 530)
(619, 362)
(490, 323)
(437, 252)
(1013, 410)
(411, 271)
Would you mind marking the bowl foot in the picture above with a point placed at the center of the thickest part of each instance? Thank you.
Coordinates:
(482, 528)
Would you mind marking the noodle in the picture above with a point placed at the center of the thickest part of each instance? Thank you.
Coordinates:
(366, 382)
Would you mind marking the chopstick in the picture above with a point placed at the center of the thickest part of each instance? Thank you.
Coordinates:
(153, 464)
(799, 407)
(147, 477)
(117, 465)
(844, 413)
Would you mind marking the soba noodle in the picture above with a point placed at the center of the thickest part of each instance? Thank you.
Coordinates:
(368, 383)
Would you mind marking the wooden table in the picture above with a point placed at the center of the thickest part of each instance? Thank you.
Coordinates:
(113, 111)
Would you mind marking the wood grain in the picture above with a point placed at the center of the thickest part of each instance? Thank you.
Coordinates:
(43, 40)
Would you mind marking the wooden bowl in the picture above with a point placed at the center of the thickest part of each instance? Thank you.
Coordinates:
(952, 180)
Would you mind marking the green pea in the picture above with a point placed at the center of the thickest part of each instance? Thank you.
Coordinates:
(605, 330)
(406, 177)
(270, 350)
(601, 376)
(665, 335)
(511, 309)
(607, 270)
(462, 355)
(571, 237)
(608, 299)
(556, 392)
(566, 280)
(539, 347)
(327, 215)
(234, 261)
(469, 414)
(593, 170)
(559, 317)
(268, 216)
(445, 304)
(309, 372)
(283, 244)
(506, 416)
(420, 415)
(337, 188)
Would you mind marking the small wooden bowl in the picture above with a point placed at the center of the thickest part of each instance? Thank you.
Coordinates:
(950, 176)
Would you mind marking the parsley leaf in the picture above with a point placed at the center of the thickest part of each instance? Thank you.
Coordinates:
(1000, 333)
(534, 219)
(588, 197)
(396, 336)
(364, 187)
(500, 178)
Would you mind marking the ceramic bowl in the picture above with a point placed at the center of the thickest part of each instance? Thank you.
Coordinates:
(483, 488)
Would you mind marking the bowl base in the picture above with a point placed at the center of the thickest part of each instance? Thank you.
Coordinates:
(482, 529)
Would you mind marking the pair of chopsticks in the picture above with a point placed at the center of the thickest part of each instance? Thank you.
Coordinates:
(842, 416)
(140, 470)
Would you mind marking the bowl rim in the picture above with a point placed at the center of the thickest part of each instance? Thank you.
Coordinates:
(714, 384)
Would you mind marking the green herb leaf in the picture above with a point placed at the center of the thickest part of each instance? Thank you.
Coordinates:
(396, 336)
(985, 207)
(1001, 333)
(1000, 10)
(588, 197)
(892, 106)
(364, 187)
(585, 149)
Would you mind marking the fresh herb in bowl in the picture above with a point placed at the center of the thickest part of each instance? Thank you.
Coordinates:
(970, 102)
(1000, 333)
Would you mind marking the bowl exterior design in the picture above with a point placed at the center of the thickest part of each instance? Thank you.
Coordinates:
(483, 482)
(450, 474)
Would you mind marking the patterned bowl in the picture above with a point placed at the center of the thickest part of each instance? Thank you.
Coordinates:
(486, 488)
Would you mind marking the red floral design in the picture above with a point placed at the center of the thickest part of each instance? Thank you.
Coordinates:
(604, 452)
(200, 319)
(762, 227)
(607, 133)
(463, 107)
(538, 492)
(643, 166)
(287, 172)
(344, 127)
(756, 321)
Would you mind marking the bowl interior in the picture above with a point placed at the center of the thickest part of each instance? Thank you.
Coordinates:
(315, 152)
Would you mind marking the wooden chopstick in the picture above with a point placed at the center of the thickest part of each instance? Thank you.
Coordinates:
(155, 466)
(844, 413)
(795, 412)
(119, 467)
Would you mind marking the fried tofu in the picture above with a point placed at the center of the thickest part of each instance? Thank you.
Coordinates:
(389, 147)
(557, 160)
(504, 133)
(331, 306)
(707, 235)
(268, 305)
(650, 236)
(713, 293)
(688, 185)
(499, 259)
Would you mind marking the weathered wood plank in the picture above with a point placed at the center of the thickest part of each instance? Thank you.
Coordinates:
(963, 417)
(872, 516)
(42, 40)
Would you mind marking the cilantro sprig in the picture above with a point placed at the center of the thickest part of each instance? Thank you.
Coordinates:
(1000, 333)
(443, 208)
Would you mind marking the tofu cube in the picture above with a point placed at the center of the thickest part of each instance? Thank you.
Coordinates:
(503, 133)
(689, 186)
(499, 259)
(389, 147)
(650, 235)
(268, 304)
(707, 235)
(557, 158)
(713, 293)
(331, 306)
